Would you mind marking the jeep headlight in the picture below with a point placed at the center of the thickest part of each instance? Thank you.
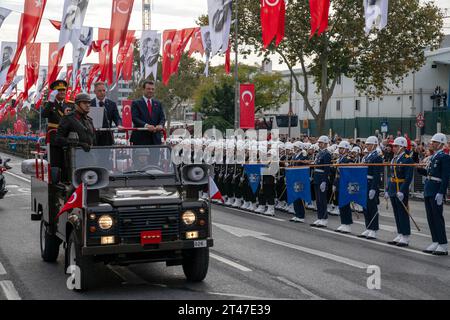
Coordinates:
(188, 217)
(89, 178)
(105, 222)
(196, 174)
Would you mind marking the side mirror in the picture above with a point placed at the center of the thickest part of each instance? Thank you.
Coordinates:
(29, 166)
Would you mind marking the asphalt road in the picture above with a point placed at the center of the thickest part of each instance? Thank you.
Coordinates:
(254, 257)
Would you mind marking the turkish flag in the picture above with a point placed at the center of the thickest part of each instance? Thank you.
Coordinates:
(105, 57)
(247, 95)
(319, 10)
(120, 19)
(69, 73)
(214, 192)
(228, 59)
(32, 68)
(127, 120)
(75, 201)
(273, 14)
(30, 21)
(197, 43)
(95, 69)
(168, 39)
(54, 58)
(124, 56)
(128, 65)
(182, 38)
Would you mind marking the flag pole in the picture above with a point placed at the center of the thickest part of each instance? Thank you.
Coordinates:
(236, 74)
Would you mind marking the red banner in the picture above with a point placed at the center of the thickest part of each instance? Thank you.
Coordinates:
(105, 57)
(127, 72)
(168, 39)
(120, 19)
(319, 10)
(32, 68)
(124, 56)
(95, 69)
(54, 58)
(247, 99)
(197, 43)
(127, 120)
(30, 21)
(273, 14)
(180, 42)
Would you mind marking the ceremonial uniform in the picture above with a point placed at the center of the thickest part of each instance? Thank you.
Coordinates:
(437, 179)
(345, 212)
(399, 182)
(299, 204)
(373, 182)
(320, 177)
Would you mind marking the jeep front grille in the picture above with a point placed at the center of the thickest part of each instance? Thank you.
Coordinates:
(133, 221)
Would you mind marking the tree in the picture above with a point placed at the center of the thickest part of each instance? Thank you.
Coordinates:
(373, 61)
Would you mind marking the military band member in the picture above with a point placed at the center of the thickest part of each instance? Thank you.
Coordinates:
(345, 212)
(437, 175)
(398, 191)
(320, 176)
(300, 157)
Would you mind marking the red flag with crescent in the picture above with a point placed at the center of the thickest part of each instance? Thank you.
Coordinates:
(32, 68)
(273, 14)
(95, 69)
(168, 39)
(180, 42)
(319, 10)
(105, 57)
(29, 24)
(124, 57)
(75, 201)
(127, 121)
(197, 43)
(54, 58)
(120, 19)
(247, 94)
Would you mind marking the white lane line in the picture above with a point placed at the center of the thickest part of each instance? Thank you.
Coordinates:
(394, 229)
(2, 270)
(229, 262)
(9, 290)
(374, 242)
(252, 213)
(18, 177)
(128, 276)
(243, 296)
(300, 288)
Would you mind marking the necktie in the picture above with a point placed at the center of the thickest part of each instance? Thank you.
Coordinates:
(149, 106)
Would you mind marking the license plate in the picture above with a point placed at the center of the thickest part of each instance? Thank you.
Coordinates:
(151, 237)
(200, 244)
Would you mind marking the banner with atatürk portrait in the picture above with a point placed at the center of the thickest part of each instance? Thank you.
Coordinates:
(219, 13)
(150, 48)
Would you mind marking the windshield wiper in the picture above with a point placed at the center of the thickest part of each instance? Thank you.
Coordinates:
(143, 172)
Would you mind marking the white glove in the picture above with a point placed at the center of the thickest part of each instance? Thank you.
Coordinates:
(334, 189)
(439, 199)
(386, 195)
(400, 196)
(52, 96)
(323, 186)
(372, 194)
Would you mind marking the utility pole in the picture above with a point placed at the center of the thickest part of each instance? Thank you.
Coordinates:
(290, 106)
(237, 94)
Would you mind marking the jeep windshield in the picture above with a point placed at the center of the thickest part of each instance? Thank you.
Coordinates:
(148, 161)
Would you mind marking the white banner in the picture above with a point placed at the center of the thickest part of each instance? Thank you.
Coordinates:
(149, 53)
(13, 85)
(376, 13)
(219, 13)
(73, 18)
(42, 80)
(4, 13)
(81, 41)
(7, 54)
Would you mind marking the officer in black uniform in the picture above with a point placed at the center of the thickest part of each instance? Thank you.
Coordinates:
(53, 111)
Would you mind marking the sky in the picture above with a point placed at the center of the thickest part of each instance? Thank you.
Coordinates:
(166, 14)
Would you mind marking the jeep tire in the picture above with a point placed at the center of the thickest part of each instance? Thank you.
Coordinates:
(195, 264)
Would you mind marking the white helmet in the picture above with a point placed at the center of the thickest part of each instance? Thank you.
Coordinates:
(344, 145)
(400, 141)
(372, 140)
(289, 145)
(439, 137)
(324, 139)
(356, 149)
(298, 144)
(307, 145)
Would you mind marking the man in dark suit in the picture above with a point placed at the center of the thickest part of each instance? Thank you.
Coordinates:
(147, 113)
(111, 114)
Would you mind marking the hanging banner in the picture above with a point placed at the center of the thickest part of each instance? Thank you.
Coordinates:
(82, 41)
(120, 19)
(197, 43)
(319, 10)
(54, 59)
(123, 54)
(219, 13)
(4, 13)
(247, 94)
(127, 71)
(73, 17)
(206, 38)
(168, 37)
(33, 51)
(8, 50)
(273, 14)
(181, 40)
(376, 14)
(149, 53)
(105, 57)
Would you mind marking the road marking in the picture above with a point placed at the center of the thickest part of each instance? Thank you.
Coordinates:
(2, 270)
(229, 262)
(128, 276)
(13, 186)
(252, 213)
(374, 242)
(241, 232)
(300, 288)
(244, 296)
(18, 177)
(9, 290)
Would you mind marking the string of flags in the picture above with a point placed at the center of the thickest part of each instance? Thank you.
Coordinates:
(208, 41)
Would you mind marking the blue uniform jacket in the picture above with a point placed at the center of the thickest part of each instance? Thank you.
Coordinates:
(321, 174)
(404, 174)
(373, 172)
(439, 168)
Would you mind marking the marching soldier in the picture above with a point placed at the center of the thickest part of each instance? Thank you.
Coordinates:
(345, 212)
(320, 177)
(437, 175)
(398, 191)
(373, 181)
